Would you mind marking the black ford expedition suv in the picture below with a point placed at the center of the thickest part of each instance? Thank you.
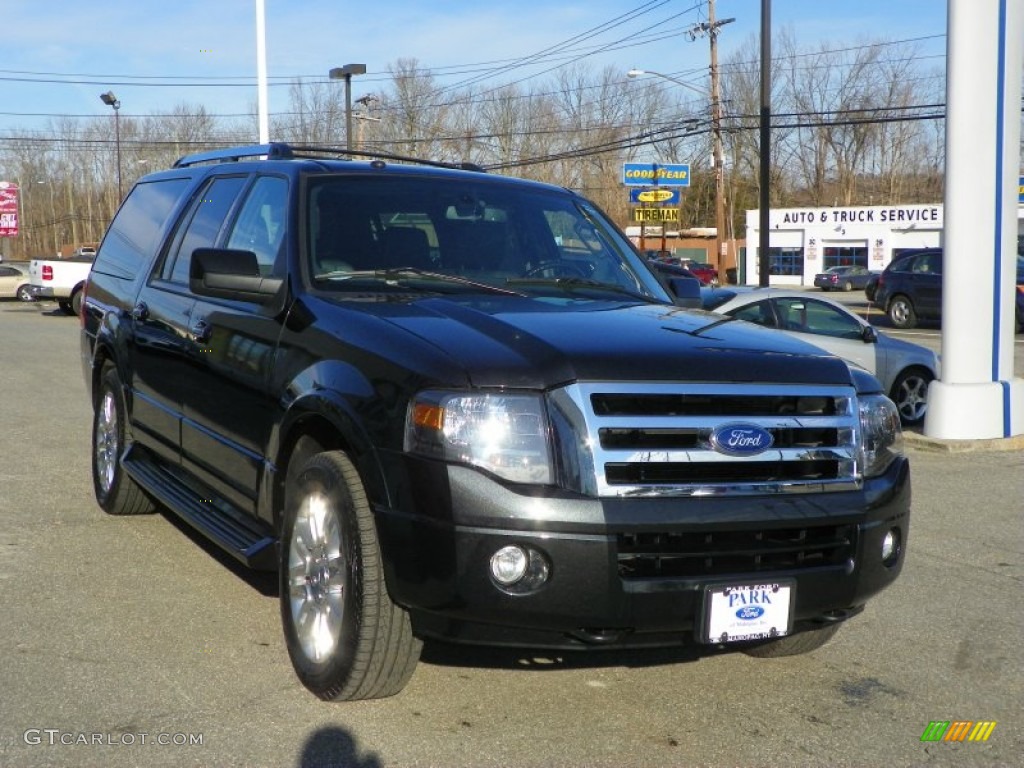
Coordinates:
(447, 404)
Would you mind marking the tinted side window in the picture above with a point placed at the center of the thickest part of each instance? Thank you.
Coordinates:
(203, 225)
(902, 265)
(929, 263)
(135, 232)
(758, 312)
(811, 316)
(260, 226)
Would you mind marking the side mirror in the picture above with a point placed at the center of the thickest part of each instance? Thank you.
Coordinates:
(686, 291)
(869, 334)
(225, 273)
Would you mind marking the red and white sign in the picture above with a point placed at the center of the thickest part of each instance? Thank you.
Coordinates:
(8, 209)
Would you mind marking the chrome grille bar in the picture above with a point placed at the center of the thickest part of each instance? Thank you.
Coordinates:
(654, 439)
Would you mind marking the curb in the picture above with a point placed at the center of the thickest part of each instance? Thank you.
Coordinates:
(919, 442)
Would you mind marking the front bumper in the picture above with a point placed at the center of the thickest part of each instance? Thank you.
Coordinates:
(606, 588)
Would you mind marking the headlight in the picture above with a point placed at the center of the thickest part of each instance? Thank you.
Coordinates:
(501, 433)
(881, 437)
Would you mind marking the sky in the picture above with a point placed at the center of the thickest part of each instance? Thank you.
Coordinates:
(58, 56)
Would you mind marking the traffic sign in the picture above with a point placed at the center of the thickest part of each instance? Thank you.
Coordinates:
(647, 174)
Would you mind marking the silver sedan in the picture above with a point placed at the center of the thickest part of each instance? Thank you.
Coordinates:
(904, 369)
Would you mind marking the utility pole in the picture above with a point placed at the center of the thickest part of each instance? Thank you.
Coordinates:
(710, 28)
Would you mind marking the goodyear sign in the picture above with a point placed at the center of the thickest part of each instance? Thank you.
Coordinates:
(655, 214)
(648, 174)
(663, 195)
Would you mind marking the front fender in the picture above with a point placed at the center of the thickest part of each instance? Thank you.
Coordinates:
(334, 404)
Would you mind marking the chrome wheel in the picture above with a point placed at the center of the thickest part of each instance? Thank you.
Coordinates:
(106, 448)
(316, 577)
(346, 639)
(910, 393)
(25, 293)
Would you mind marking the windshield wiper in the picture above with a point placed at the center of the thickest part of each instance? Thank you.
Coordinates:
(398, 273)
(571, 283)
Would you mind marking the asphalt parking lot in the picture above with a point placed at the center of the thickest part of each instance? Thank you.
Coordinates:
(127, 642)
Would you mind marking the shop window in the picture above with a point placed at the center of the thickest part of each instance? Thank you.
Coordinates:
(844, 256)
(785, 261)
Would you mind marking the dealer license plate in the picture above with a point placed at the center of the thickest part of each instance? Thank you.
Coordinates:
(739, 612)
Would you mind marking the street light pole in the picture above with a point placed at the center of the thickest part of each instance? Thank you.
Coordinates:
(716, 152)
(111, 100)
(345, 73)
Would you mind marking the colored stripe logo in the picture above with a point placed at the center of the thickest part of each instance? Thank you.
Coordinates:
(958, 730)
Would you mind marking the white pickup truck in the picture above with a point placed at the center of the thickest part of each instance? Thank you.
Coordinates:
(61, 279)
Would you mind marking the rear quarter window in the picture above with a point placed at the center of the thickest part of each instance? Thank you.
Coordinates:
(135, 233)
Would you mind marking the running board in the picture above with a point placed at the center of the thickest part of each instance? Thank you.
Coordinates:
(244, 540)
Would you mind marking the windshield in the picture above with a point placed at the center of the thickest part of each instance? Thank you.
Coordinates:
(446, 235)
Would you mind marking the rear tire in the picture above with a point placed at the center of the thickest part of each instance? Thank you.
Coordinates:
(76, 302)
(793, 645)
(847, 286)
(901, 312)
(347, 640)
(25, 293)
(115, 491)
(65, 306)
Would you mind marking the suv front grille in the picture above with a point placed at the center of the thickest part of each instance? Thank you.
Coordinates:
(715, 553)
(655, 439)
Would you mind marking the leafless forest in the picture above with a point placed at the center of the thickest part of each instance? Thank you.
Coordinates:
(852, 124)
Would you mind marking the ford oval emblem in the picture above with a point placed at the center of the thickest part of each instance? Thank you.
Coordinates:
(741, 439)
(749, 612)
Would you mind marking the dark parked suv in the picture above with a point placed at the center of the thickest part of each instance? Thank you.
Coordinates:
(446, 404)
(910, 288)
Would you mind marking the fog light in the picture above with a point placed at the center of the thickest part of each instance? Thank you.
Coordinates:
(891, 546)
(508, 565)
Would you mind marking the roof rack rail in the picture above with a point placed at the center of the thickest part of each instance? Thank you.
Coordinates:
(272, 151)
(313, 152)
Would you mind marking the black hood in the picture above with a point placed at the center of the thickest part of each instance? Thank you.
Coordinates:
(506, 341)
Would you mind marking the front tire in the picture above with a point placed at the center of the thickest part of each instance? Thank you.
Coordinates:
(793, 645)
(25, 293)
(115, 491)
(347, 640)
(910, 393)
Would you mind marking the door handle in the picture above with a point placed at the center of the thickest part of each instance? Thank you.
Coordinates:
(201, 331)
(140, 312)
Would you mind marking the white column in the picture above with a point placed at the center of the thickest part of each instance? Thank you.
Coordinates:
(261, 72)
(977, 395)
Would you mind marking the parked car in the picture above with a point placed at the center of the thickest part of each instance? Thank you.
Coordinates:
(14, 282)
(910, 288)
(871, 286)
(845, 278)
(61, 279)
(672, 270)
(664, 262)
(707, 274)
(905, 369)
(443, 403)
